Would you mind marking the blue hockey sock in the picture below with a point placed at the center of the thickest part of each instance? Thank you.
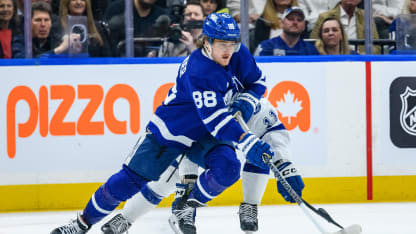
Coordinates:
(119, 187)
(100, 205)
(224, 170)
(206, 188)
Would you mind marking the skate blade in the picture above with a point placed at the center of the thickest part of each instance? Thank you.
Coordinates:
(249, 232)
(173, 223)
(353, 229)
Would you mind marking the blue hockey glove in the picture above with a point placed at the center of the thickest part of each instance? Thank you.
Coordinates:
(245, 103)
(292, 176)
(254, 148)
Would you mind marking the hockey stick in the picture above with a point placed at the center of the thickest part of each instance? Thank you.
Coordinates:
(353, 229)
(176, 168)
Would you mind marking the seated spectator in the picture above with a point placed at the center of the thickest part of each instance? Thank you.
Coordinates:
(211, 6)
(352, 19)
(145, 14)
(11, 37)
(312, 9)
(268, 24)
(384, 11)
(290, 41)
(44, 43)
(191, 31)
(98, 45)
(332, 38)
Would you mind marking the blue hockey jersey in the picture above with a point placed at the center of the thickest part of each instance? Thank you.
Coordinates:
(198, 102)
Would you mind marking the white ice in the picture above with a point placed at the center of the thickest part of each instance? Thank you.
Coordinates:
(375, 218)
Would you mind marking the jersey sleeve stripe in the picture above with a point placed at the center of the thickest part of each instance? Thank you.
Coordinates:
(164, 131)
(221, 124)
(261, 81)
(215, 115)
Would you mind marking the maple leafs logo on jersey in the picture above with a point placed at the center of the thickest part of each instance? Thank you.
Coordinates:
(182, 68)
(289, 106)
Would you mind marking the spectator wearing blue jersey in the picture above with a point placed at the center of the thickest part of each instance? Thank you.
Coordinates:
(196, 118)
(290, 41)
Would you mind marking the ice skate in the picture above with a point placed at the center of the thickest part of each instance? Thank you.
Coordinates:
(182, 220)
(248, 218)
(117, 225)
(76, 226)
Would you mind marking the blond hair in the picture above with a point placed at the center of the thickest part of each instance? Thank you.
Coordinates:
(270, 13)
(92, 30)
(406, 9)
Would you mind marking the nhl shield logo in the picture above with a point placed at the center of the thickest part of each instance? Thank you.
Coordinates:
(408, 111)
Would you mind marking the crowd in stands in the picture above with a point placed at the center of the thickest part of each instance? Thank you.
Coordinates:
(171, 28)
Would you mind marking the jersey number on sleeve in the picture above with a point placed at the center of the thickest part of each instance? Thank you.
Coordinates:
(206, 98)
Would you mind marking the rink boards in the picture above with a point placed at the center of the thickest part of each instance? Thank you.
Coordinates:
(67, 125)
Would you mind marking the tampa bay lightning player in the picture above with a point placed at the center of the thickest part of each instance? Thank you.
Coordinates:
(194, 119)
(265, 124)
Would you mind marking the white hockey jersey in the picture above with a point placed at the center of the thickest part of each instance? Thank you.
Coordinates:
(266, 125)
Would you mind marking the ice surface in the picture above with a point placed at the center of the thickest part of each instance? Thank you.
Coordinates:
(375, 218)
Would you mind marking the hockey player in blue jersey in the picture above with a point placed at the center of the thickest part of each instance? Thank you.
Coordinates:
(265, 124)
(194, 119)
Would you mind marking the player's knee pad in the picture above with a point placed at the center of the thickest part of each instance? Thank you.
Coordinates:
(224, 165)
(248, 167)
(124, 184)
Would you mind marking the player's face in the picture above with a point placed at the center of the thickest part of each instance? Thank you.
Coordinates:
(331, 33)
(222, 51)
(77, 7)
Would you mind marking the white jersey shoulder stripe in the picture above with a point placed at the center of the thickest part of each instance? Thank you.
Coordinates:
(164, 131)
